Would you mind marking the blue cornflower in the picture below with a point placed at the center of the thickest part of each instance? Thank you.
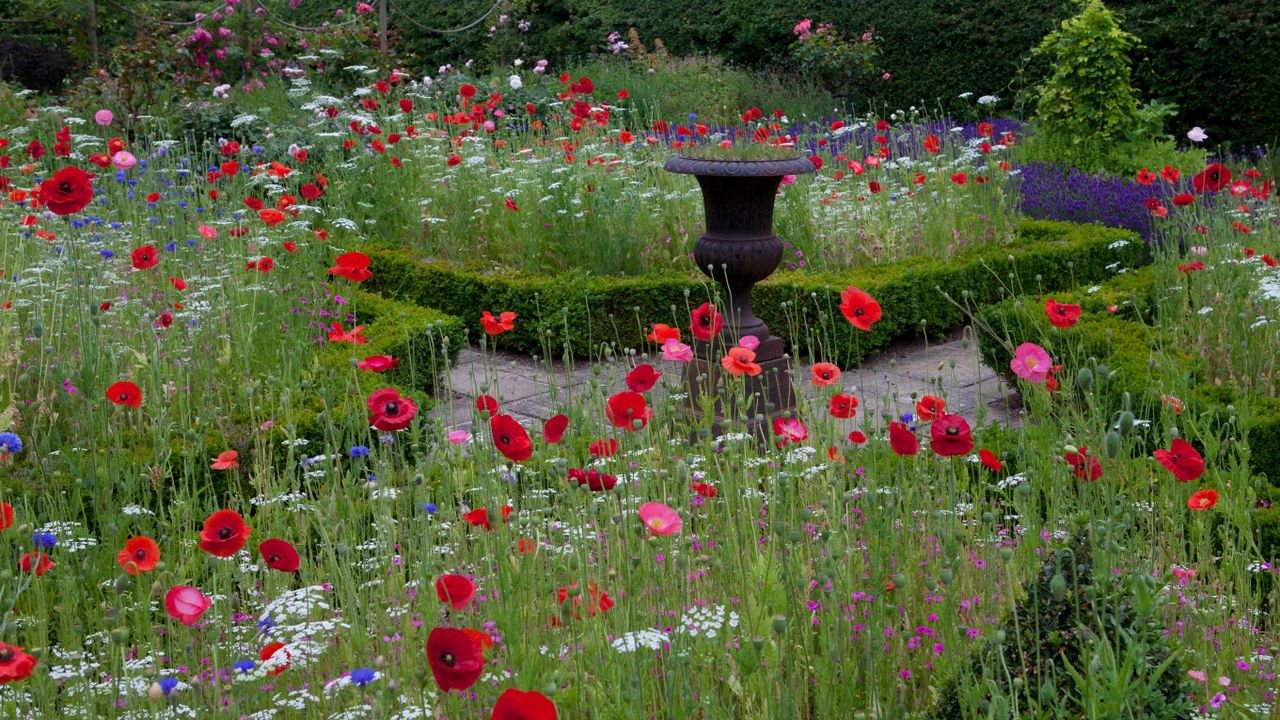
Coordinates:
(167, 684)
(107, 254)
(693, 116)
(908, 418)
(10, 443)
(363, 676)
(430, 508)
(245, 666)
(359, 451)
(170, 247)
(266, 625)
(44, 541)
(193, 242)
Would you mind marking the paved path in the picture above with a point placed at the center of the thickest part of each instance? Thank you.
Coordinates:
(533, 392)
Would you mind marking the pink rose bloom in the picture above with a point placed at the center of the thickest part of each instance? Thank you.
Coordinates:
(802, 28)
(676, 351)
(186, 604)
(103, 117)
(124, 160)
(364, 9)
(1031, 362)
(750, 342)
(660, 519)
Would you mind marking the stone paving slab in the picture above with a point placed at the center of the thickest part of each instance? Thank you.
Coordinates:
(531, 392)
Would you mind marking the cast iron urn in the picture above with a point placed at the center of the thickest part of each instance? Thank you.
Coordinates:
(739, 250)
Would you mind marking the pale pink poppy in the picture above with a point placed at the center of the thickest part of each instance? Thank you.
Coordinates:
(207, 232)
(676, 351)
(186, 604)
(103, 117)
(457, 437)
(124, 160)
(788, 180)
(750, 342)
(660, 519)
(1031, 362)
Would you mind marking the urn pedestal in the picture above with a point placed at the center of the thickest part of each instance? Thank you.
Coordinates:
(738, 250)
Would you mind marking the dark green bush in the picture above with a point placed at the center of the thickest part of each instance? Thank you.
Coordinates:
(583, 312)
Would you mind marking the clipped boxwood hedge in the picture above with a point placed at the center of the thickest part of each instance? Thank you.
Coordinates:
(584, 311)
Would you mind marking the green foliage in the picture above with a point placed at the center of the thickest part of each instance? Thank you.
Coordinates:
(581, 312)
(843, 65)
(1078, 626)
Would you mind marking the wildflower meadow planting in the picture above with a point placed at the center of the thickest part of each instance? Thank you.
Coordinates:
(346, 381)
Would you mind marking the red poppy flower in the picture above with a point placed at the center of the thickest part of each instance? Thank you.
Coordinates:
(353, 266)
(478, 518)
(278, 654)
(1203, 500)
(125, 393)
(271, 217)
(824, 374)
(1146, 177)
(389, 411)
(337, 334)
(39, 563)
(553, 429)
(603, 448)
(662, 333)
(703, 489)
(1182, 460)
(989, 460)
(1183, 199)
(16, 665)
(224, 533)
(950, 435)
(1170, 174)
(930, 407)
(843, 406)
(1061, 315)
(857, 437)
(6, 516)
(279, 555)
(456, 590)
(510, 437)
(642, 378)
(140, 554)
(504, 322)
(1084, 465)
(902, 440)
(933, 144)
(706, 322)
(859, 308)
(516, 704)
(378, 363)
(1212, 178)
(789, 430)
(599, 601)
(467, 90)
(487, 404)
(145, 257)
(68, 191)
(454, 658)
(624, 409)
(595, 480)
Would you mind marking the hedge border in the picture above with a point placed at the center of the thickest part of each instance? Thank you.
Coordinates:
(582, 312)
(1122, 342)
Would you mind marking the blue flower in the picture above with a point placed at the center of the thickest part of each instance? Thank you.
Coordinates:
(107, 254)
(359, 451)
(429, 507)
(245, 666)
(266, 625)
(693, 116)
(363, 676)
(170, 247)
(908, 418)
(10, 443)
(44, 541)
(167, 684)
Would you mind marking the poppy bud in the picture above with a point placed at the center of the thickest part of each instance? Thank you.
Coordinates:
(1125, 426)
(1006, 554)
(550, 689)
(1084, 379)
(1001, 635)
(1023, 490)
(899, 580)
(1071, 449)
(1058, 586)
(121, 583)
(120, 635)
(946, 575)
(1173, 431)
(779, 624)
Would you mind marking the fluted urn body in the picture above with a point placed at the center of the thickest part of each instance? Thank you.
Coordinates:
(738, 250)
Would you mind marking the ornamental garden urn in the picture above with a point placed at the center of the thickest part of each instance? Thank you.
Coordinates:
(738, 250)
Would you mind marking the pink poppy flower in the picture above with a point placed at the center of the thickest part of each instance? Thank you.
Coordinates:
(750, 342)
(660, 519)
(676, 351)
(1031, 362)
(186, 604)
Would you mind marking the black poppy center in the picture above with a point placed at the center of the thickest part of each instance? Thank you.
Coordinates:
(505, 439)
(6, 654)
(140, 554)
(225, 533)
(859, 312)
(391, 408)
(273, 559)
(124, 397)
(448, 659)
(953, 431)
(64, 186)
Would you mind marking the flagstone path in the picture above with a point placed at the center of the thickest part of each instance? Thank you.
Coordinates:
(531, 392)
